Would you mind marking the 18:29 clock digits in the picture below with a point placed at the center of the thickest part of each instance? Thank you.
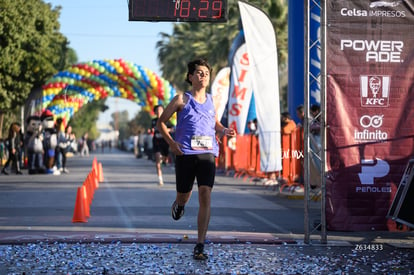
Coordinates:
(178, 10)
(203, 9)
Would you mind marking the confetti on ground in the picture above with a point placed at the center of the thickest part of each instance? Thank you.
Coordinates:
(164, 258)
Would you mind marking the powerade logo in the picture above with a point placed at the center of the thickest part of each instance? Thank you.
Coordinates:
(375, 90)
(371, 170)
(378, 51)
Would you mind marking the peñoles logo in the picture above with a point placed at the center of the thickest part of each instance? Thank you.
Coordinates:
(370, 170)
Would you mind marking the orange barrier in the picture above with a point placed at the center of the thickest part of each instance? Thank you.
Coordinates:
(244, 161)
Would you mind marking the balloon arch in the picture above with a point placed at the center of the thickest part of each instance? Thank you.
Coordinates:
(67, 91)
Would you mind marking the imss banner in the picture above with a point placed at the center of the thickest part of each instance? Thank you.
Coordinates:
(369, 109)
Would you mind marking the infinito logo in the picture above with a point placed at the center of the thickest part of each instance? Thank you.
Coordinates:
(371, 121)
(375, 90)
(368, 134)
(370, 170)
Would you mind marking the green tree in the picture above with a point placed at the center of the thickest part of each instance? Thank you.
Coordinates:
(213, 41)
(120, 122)
(84, 121)
(140, 122)
(31, 50)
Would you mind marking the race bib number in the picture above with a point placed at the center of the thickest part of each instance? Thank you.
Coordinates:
(202, 143)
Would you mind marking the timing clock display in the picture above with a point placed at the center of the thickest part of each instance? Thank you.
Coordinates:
(178, 10)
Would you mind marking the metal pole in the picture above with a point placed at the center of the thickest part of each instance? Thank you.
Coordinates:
(323, 122)
(306, 164)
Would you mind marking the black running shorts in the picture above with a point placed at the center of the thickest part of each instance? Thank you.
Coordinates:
(159, 145)
(190, 167)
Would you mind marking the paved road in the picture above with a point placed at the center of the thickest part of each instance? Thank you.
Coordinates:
(129, 200)
(252, 230)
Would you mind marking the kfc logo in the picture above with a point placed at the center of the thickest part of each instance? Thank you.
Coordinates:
(375, 91)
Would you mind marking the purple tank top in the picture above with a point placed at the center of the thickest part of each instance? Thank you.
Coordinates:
(195, 128)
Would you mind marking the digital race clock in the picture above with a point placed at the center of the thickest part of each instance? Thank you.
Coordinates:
(178, 10)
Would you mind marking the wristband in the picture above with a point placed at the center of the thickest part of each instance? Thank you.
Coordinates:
(224, 131)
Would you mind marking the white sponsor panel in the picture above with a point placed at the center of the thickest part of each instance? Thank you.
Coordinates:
(261, 45)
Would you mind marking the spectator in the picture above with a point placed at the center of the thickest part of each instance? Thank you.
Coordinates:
(2, 151)
(252, 125)
(315, 125)
(84, 145)
(14, 140)
(65, 139)
(141, 138)
(288, 126)
(148, 145)
(136, 147)
(300, 113)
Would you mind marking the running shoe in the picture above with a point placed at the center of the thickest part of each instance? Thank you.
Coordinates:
(199, 252)
(177, 211)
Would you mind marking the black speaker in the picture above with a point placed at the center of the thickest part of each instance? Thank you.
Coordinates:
(402, 207)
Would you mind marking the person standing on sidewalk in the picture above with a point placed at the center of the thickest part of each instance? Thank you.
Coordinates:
(195, 146)
(15, 142)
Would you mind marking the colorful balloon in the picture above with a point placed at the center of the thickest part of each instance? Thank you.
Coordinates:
(67, 91)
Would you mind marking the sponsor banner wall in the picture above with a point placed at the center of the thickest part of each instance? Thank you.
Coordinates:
(369, 109)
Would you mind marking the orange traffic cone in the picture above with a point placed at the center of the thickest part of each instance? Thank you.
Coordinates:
(100, 172)
(93, 175)
(85, 202)
(95, 164)
(90, 188)
(79, 211)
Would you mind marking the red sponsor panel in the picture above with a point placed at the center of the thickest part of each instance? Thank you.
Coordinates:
(369, 109)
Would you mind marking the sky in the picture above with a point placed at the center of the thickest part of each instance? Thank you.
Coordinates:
(100, 30)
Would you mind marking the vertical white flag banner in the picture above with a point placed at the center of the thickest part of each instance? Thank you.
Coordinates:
(261, 47)
(220, 91)
(240, 91)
